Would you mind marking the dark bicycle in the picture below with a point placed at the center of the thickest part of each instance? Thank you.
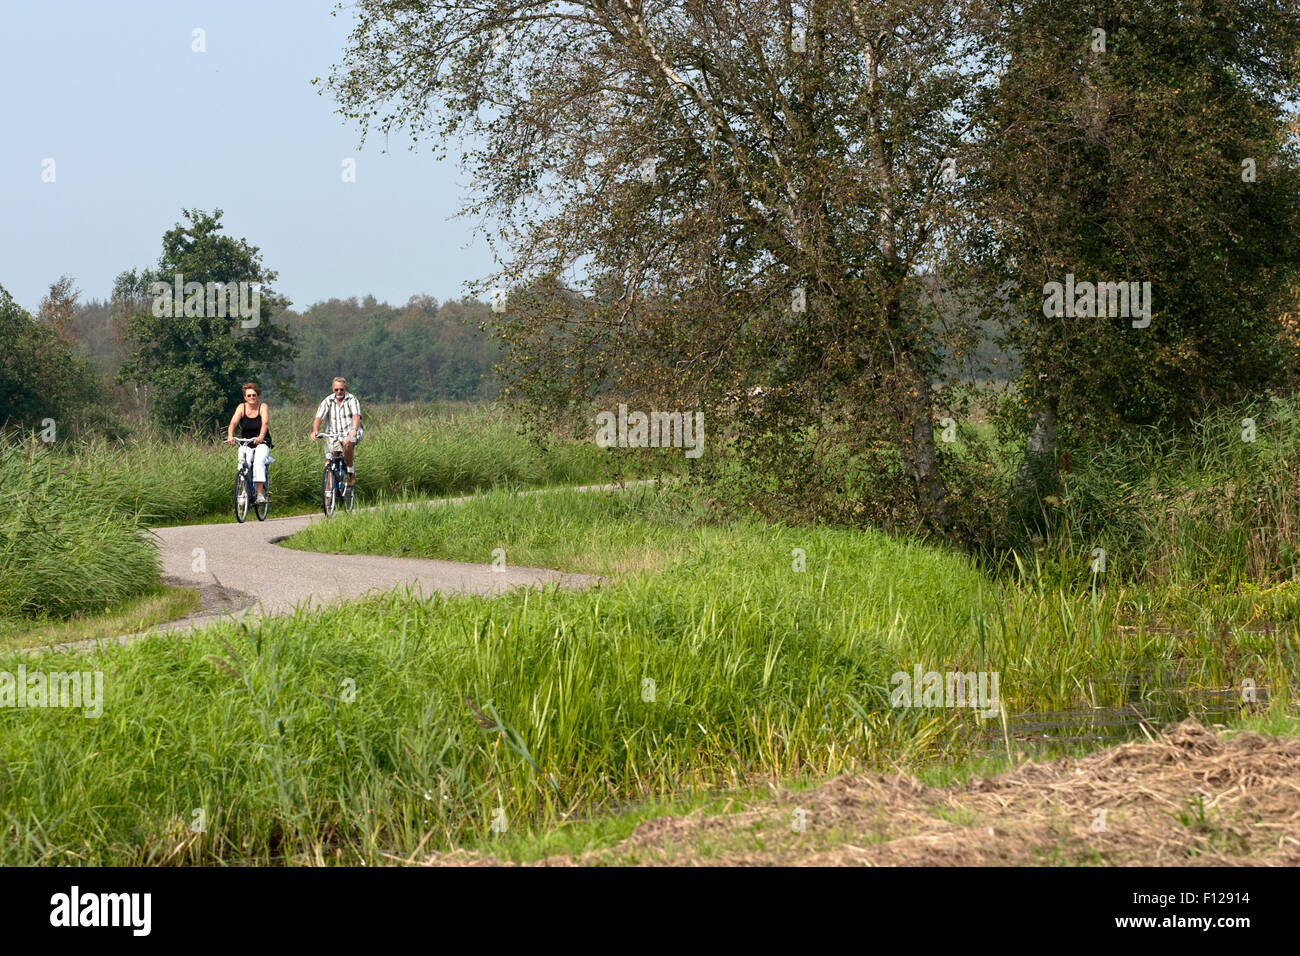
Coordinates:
(246, 490)
(334, 483)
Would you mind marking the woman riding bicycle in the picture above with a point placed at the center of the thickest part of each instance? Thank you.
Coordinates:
(253, 418)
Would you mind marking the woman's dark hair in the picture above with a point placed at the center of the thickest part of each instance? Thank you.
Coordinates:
(253, 386)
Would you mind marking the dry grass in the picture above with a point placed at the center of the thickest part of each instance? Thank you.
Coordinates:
(1191, 797)
(648, 560)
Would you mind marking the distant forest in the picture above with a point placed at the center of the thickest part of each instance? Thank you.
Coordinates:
(421, 351)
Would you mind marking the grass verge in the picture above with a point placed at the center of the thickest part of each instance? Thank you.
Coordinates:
(166, 603)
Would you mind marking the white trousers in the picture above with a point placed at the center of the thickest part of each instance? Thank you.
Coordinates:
(259, 455)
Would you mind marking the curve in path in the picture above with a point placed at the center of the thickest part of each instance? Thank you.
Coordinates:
(246, 574)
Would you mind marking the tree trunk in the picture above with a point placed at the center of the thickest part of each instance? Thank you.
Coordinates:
(1034, 479)
(920, 454)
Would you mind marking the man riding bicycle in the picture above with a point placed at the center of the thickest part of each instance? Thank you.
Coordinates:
(342, 412)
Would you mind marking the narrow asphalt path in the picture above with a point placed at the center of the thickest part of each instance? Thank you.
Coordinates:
(241, 571)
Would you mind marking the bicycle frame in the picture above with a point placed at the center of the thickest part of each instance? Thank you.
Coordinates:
(244, 482)
(334, 484)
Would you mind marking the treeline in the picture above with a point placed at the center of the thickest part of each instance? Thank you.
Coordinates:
(63, 363)
(422, 351)
(168, 347)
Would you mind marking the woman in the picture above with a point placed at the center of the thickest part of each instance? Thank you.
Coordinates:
(253, 418)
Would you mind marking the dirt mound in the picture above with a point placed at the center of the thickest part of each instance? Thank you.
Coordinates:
(1190, 797)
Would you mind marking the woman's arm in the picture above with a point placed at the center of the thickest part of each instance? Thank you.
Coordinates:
(230, 430)
(266, 420)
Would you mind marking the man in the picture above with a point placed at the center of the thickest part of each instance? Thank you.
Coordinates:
(342, 414)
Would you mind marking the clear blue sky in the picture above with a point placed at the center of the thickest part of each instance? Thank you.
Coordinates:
(140, 126)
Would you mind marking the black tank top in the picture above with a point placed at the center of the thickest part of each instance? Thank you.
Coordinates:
(252, 427)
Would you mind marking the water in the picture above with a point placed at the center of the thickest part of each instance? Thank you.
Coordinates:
(1156, 696)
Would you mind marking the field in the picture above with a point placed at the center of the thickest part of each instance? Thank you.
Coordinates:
(718, 660)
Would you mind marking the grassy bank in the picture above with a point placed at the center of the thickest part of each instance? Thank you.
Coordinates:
(709, 662)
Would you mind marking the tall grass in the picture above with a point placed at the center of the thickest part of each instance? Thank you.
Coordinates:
(376, 730)
(432, 450)
(64, 549)
(1207, 510)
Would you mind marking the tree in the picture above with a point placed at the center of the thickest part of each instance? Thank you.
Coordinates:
(710, 168)
(40, 377)
(58, 307)
(1142, 142)
(196, 350)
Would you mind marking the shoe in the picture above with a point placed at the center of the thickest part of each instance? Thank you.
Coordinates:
(261, 499)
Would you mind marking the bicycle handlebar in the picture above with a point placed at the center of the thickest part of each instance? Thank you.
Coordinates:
(243, 440)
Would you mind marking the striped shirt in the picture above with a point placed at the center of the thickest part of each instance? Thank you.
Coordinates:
(335, 416)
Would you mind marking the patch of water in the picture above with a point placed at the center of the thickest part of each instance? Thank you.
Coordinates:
(1155, 699)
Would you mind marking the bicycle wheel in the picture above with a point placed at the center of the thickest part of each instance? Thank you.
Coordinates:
(241, 496)
(349, 498)
(327, 496)
(263, 508)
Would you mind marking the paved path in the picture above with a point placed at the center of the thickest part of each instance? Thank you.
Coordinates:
(244, 573)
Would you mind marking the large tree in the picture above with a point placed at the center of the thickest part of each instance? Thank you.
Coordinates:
(694, 197)
(194, 353)
(1142, 141)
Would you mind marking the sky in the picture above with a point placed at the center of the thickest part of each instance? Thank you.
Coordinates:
(140, 126)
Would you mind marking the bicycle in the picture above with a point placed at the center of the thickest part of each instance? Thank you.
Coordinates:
(246, 489)
(334, 483)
